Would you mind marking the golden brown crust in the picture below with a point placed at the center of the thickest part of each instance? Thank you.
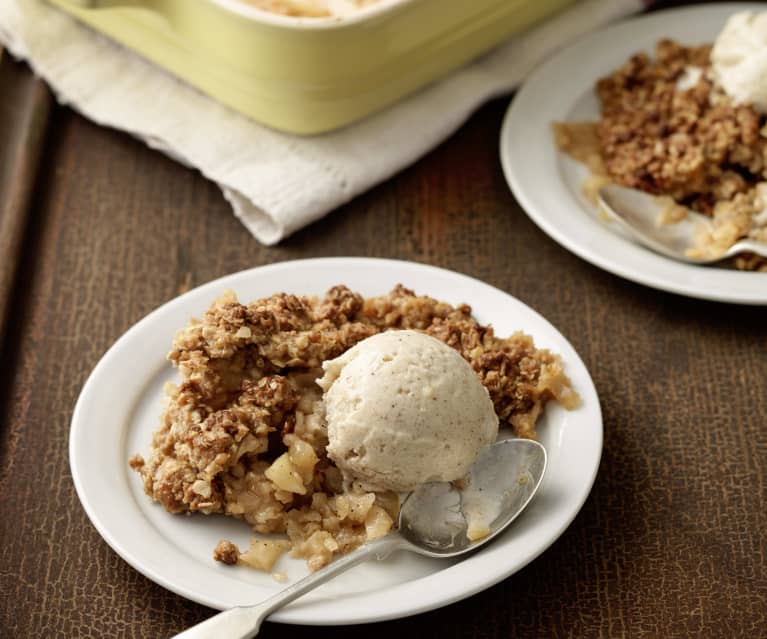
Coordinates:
(694, 145)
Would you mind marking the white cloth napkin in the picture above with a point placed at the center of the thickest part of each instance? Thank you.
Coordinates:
(276, 183)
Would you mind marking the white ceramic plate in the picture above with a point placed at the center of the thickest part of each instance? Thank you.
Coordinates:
(547, 183)
(121, 402)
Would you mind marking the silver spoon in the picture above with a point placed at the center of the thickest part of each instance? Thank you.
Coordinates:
(432, 522)
(638, 212)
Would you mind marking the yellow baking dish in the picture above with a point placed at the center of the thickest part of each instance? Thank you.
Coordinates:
(309, 75)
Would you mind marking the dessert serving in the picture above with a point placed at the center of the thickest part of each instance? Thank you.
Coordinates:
(688, 125)
(307, 417)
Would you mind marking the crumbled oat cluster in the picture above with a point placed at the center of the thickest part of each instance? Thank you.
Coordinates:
(666, 129)
(694, 145)
(244, 434)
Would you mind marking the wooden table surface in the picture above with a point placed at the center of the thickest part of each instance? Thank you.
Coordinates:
(96, 230)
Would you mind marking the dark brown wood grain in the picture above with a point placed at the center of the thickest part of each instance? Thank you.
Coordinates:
(23, 120)
(672, 541)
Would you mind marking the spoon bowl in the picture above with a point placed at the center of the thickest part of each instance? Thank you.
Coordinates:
(638, 213)
(439, 519)
(443, 520)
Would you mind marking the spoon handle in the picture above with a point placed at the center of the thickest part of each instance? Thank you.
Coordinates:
(244, 622)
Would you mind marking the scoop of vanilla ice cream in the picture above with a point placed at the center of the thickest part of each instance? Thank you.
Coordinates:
(403, 408)
(739, 59)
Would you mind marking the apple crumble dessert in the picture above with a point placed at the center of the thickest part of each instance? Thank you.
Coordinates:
(666, 128)
(244, 432)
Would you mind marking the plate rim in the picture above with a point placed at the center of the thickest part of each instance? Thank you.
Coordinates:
(515, 123)
(288, 616)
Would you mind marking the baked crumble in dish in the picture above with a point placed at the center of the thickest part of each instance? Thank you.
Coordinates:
(667, 129)
(243, 433)
(311, 8)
